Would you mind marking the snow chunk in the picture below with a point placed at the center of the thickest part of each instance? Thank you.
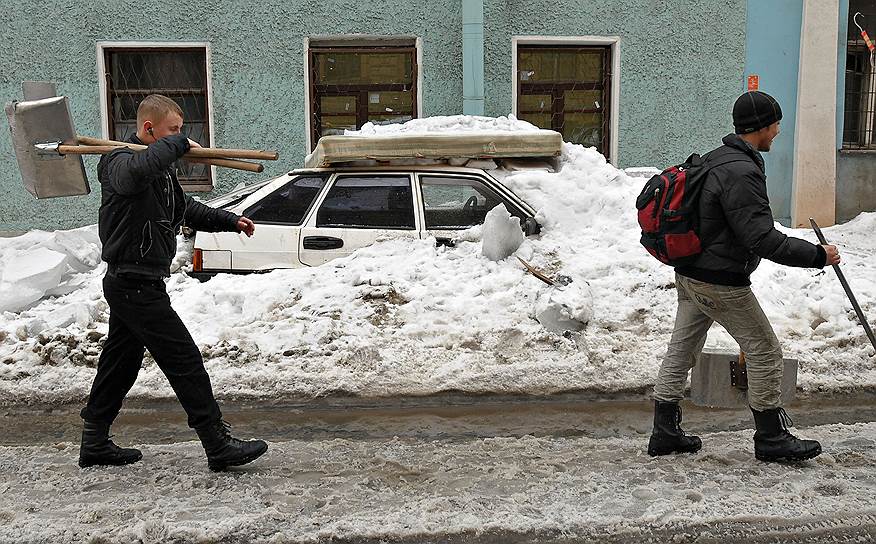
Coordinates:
(501, 235)
(565, 308)
(26, 276)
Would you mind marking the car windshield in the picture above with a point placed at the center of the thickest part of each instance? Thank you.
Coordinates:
(235, 197)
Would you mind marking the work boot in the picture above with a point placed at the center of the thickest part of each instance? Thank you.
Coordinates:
(96, 448)
(667, 436)
(773, 442)
(223, 450)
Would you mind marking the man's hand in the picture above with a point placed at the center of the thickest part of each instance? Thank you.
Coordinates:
(193, 143)
(833, 256)
(245, 225)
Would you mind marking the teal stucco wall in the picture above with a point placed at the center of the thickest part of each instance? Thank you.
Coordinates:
(257, 67)
(680, 69)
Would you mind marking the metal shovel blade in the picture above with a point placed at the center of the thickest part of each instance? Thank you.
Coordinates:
(46, 174)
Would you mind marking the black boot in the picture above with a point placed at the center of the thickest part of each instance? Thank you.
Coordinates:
(773, 442)
(223, 450)
(97, 448)
(667, 436)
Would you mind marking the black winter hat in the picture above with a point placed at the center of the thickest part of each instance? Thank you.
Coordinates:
(755, 110)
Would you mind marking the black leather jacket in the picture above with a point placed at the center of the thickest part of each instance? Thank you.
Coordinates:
(142, 208)
(736, 225)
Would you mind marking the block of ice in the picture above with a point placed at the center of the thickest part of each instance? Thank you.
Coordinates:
(501, 235)
(27, 275)
(564, 308)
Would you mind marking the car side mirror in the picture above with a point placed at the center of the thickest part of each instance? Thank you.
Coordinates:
(530, 226)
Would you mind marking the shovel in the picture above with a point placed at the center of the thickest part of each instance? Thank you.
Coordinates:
(845, 284)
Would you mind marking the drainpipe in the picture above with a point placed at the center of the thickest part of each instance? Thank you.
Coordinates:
(473, 57)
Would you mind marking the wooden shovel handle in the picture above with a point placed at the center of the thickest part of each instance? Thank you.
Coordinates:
(198, 152)
(231, 163)
(102, 149)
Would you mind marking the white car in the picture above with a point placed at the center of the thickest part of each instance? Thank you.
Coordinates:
(310, 216)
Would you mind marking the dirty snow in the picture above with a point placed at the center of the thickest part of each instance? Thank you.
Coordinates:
(464, 489)
(404, 317)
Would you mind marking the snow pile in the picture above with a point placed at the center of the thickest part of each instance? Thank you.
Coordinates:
(446, 124)
(404, 317)
(40, 263)
(501, 234)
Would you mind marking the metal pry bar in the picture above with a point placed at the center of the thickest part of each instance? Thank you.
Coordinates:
(848, 290)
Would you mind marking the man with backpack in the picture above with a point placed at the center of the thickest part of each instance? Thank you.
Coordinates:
(735, 230)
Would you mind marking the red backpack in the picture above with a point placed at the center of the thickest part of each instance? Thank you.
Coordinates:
(668, 212)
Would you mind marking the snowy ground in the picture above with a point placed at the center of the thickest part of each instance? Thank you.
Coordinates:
(406, 318)
(456, 486)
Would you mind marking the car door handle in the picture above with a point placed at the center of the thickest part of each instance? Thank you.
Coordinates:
(322, 242)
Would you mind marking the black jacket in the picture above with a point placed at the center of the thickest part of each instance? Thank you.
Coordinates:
(142, 207)
(736, 224)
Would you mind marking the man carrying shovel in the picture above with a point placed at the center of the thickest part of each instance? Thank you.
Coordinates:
(142, 208)
(737, 230)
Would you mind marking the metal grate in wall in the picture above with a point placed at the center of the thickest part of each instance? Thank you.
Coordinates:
(178, 73)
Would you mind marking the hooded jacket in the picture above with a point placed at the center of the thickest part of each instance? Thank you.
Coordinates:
(736, 225)
(143, 206)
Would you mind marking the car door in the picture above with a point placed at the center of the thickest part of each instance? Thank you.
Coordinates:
(455, 202)
(357, 210)
(278, 217)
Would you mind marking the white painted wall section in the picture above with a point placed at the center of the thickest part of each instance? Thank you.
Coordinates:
(814, 189)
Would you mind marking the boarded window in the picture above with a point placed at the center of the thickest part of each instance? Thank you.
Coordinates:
(567, 89)
(351, 85)
(180, 74)
(859, 117)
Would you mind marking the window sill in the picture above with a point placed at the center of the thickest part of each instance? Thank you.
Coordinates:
(858, 151)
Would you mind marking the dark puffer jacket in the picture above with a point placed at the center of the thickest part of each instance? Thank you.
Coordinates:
(142, 207)
(736, 224)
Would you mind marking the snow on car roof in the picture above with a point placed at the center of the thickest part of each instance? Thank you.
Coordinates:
(473, 145)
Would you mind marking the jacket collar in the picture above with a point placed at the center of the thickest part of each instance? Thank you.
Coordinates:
(135, 140)
(735, 142)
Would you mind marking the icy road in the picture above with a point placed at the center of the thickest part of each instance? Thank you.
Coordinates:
(443, 470)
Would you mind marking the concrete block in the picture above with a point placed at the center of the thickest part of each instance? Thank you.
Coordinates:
(710, 383)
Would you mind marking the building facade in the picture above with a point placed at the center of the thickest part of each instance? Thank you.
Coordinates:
(647, 83)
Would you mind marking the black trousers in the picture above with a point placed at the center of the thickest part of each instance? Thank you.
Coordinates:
(141, 318)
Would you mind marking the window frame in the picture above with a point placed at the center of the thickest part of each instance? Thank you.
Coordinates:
(613, 88)
(103, 47)
(351, 43)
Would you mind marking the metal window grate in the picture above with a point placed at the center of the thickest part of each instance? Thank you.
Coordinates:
(859, 115)
(351, 85)
(567, 89)
(178, 73)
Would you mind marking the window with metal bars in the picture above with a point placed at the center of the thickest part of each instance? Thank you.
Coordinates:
(859, 116)
(566, 88)
(178, 73)
(353, 83)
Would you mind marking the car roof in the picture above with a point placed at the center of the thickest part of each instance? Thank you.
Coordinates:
(392, 168)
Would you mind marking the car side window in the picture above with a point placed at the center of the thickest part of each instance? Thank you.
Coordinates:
(369, 202)
(452, 202)
(287, 205)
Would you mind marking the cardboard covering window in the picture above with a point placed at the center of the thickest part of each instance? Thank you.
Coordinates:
(477, 145)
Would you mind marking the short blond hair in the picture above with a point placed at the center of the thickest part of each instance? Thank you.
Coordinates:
(155, 108)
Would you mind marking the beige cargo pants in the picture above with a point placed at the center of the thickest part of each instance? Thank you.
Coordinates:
(737, 310)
